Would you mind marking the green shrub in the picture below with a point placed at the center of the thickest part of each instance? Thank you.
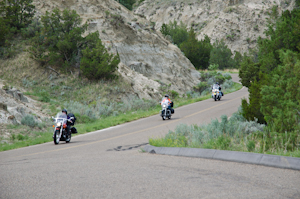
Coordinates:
(201, 87)
(127, 3)
(220, 79)
(97, 63)
(178, 32)
(22, 137)
(29, 121)
(44, 97)
(173, 94)
(251, 145)
(213, 67)
(32, 29)
(17, 13)
(221, 55)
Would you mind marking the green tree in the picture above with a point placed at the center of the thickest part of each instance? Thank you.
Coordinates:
(178, 32)
(280, 102)
(63, 36)
(221, 55)
(127, 3)
(270, 80)
(4, 31)
(97, 63)
(238, 59)
(59, 40)
(17, 13)
(197, 52)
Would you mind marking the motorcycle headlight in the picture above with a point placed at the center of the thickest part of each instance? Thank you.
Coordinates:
(164, 106)
(58, 124)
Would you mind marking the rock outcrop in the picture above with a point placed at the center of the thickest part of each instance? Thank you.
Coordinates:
(145, 55)
(14, 106)
(238, 22)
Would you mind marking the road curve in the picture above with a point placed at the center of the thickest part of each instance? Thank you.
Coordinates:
(108, 164)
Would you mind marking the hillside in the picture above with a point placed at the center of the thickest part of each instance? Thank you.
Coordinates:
(238, 22)
(145, 55)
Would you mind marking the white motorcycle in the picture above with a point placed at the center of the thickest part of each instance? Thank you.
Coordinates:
(60, 128)
(216, 94)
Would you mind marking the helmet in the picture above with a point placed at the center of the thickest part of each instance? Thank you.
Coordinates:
(166, 95)
(65, 110)
(218, 83)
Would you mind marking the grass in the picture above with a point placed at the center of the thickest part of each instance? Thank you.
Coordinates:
(102, 123)
(233, 134)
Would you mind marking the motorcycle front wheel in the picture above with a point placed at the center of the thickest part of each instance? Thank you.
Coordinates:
(56, 137)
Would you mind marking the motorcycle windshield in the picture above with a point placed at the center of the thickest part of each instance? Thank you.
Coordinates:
(216, 87)
(61, 117)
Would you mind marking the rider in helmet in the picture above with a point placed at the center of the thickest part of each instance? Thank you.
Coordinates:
(69, 122)
(220, 88)
(170, 103)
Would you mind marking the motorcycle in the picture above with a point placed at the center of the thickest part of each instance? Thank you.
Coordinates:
(60, 128)
(165, 112)
(216, 94)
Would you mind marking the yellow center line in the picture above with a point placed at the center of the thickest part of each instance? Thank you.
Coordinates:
(147, 129)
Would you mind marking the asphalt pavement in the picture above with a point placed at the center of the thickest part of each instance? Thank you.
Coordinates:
(110, 164)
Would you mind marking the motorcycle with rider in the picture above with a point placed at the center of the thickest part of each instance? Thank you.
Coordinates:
(62, 127)
(216, 92)
(166, 105)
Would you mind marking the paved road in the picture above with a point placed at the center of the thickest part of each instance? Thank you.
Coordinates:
(108, 164)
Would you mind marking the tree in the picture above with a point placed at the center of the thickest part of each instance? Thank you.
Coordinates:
(17, 13)
(127, 3)
(280, 102)
(273, 81)
(60, 40)
(178, 32)
(4, 31)
(60, 43)
(221, 55)
(238, 59)
(197, 52)
(63, 35)
(97, 63)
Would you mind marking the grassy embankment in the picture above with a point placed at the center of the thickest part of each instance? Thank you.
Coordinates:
(234, 134)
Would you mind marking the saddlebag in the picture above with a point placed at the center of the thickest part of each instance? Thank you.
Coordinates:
(73, 130)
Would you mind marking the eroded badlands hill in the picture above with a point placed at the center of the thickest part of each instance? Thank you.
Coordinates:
(238, 22)
(145, 55)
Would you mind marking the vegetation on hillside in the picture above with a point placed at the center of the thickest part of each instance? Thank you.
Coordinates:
(55, 40)
(201, 53)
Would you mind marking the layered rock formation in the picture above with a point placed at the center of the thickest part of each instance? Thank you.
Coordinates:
(238, 22)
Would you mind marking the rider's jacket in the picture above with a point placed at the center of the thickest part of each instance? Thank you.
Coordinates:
(166, 99)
